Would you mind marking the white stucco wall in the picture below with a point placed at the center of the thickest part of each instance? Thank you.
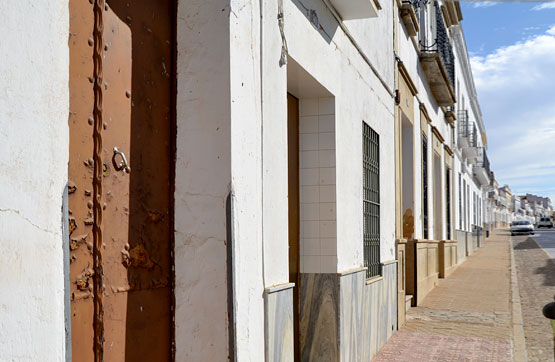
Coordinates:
(219, 152)
(246, 179)
(203, 181)
(330, 57)
(34, 105)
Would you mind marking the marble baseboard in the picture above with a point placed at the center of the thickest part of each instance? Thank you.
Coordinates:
(368, 314)
(344, 319)
(319, 331)
(278, 324)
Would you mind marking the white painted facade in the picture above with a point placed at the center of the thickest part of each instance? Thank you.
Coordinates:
(231, 186)
(471, 211)
(34, 146)
(232, 138)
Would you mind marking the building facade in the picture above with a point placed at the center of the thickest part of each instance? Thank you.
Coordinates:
(442, 162)
(232, 180)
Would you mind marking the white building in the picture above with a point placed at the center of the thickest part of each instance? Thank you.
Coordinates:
(231, 180)
(280, 189)
(444, 169)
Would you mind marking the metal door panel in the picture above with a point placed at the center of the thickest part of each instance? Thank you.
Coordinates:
(80, 170)
(116, 133)
(137, 113)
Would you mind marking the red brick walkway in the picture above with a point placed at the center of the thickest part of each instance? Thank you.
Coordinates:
(466, 318)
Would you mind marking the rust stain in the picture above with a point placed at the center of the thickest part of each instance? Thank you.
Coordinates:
(75, 242)
(98, 281)
(154, 216)
(72, 225)
(125, 258)
(140, 257)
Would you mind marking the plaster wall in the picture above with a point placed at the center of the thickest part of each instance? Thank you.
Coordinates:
(218, 200)
(34, 146)
(359, 96)
(232, 140)
(246, 179)
(203, 181)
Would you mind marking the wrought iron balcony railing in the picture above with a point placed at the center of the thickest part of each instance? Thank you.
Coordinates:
(467, 129)
(483, 160)
(441, 44)
(416, 4)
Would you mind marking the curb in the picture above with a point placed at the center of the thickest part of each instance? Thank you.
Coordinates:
(519, 342)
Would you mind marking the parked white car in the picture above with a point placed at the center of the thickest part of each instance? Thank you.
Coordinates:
(545, 222)
(522, 227)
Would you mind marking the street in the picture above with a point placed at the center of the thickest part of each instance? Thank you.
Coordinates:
(535, 264)
(546, 240)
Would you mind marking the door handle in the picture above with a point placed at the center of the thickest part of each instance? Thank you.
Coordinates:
(123, 165)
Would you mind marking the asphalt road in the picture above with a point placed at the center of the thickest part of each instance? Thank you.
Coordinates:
(546, 239)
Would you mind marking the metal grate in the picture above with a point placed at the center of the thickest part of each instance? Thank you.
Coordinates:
(467, 128)
(371, 200)
(416, 4)
(460, 203)
(425, 183)
(441, 45)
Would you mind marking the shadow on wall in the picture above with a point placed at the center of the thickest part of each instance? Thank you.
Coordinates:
(320, 17)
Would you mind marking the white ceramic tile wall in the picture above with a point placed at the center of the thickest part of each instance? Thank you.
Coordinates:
(317, 186)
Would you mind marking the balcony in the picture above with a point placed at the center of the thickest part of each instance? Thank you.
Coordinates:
(468, 136)
(408, 11)
(481, 169)
(438, 62)
(355, 9)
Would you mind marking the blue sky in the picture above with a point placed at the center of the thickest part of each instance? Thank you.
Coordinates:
(512, 49)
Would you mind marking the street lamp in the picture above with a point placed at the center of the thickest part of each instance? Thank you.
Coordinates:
(549, 312)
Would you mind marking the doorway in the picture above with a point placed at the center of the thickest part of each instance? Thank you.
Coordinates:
(294, 214)
(438, 218)
(121, 149)
(407, 145)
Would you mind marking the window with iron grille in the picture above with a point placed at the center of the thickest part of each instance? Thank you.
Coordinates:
(425, 183)
(460, 204)
(371, 200)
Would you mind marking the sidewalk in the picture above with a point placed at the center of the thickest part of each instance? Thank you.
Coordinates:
(466, 318)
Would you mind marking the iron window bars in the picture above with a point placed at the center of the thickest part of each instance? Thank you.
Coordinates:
(448, 201)
(416, 4)
(483, 160)
(467, 129)
(371, 200)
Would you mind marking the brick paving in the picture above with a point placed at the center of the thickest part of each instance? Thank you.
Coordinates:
(466, 318)
(536, 279)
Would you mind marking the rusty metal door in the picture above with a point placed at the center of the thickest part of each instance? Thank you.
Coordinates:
(121, 150)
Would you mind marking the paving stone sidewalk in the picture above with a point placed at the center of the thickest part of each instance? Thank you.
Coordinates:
(466, 318)
(536, 280)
